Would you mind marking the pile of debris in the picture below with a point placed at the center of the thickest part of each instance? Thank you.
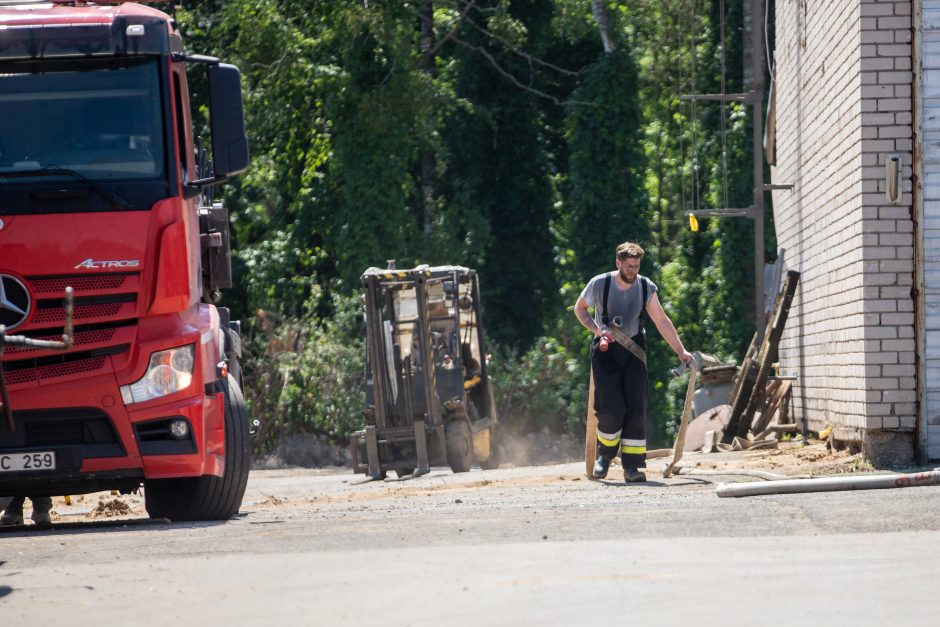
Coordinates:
(746, 407)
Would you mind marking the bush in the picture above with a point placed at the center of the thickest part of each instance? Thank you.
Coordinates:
(306, 375)
(543, 388)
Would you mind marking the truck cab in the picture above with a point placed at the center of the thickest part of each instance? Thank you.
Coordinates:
(102, 191)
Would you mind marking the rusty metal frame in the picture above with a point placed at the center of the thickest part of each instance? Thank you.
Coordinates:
(427, 430)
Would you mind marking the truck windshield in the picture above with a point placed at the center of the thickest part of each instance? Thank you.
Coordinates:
(101, 119)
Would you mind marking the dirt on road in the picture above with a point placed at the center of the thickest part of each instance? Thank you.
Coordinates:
(508, 546)
(797, 458)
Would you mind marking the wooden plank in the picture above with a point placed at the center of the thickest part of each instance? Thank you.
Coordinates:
(931, 17)
(931, 84)
(932, 280)
(932, 414)
(932, 383)
(933, 441)
(932, 340)
(686, 416)
(930, 224)
(778, 397)
(590, 432)
(931, 179)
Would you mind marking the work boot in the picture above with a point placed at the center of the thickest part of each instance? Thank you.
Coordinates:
(633, 475)
(11, 519)
(42, 505)
(601, 466)
(13, 514)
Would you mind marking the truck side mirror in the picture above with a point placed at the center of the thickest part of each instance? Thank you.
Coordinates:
(227, 120)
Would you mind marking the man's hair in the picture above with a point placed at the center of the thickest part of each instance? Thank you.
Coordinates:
(629, 250)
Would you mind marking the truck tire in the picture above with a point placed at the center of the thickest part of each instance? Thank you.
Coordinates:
(459, 442)
(209, 497)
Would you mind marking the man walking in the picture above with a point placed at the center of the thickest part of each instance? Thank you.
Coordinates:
(619, 372)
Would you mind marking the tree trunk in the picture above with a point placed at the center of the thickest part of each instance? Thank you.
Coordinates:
(428, 191)
(603, 23)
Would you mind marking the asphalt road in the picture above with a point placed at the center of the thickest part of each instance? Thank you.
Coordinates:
(522, 546)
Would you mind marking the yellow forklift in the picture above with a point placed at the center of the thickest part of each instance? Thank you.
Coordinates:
(429, 398)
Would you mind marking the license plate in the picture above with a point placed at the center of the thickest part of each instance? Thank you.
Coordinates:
(39, 460)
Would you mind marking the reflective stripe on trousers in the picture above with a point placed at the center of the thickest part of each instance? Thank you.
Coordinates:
(633, 447)
(608, 439)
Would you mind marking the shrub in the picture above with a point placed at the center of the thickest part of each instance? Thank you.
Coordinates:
(306, 374)
(543, 388)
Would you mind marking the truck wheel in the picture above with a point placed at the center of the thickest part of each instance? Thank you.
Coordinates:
(209, 497)
(459, 445)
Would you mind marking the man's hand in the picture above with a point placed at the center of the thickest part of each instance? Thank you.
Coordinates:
(685, 356)
(606, 339)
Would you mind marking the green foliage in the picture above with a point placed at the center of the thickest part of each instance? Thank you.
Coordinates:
(543, 388)
(376, 146)
(606, 203)
(494, 150)
(264, 283)
(306, 374)
(503, 138)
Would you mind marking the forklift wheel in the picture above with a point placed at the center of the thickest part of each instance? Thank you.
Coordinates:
(459, 445)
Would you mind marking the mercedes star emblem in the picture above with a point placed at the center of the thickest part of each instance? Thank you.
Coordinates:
(14, 301)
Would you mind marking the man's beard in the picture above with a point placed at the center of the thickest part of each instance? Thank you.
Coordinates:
(626, 279)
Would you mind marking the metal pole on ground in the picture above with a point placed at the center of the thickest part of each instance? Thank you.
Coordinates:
(830, 484)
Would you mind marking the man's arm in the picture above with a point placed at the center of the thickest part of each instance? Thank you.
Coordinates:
(584, 317)
(655, 309)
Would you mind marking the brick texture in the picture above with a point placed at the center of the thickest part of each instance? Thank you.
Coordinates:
(843, 103)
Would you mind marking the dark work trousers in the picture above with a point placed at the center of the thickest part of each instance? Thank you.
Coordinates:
(40, 503)
(620, 403)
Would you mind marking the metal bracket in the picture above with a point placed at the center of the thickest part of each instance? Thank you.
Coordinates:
(722, 213)
(749, 97)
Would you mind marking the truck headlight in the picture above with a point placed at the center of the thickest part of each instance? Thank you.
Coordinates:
(169, 371)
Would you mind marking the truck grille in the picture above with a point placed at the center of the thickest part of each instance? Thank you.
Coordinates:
(79, 338)
(89, 429)
(76, 366)
(85, 308)
(84, 283)
(104, 317)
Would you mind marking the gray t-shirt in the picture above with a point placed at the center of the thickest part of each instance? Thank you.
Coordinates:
(626, 303)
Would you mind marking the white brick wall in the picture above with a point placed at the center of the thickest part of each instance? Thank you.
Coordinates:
(843, 82)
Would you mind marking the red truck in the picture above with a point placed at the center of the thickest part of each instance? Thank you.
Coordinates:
(102, 189)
